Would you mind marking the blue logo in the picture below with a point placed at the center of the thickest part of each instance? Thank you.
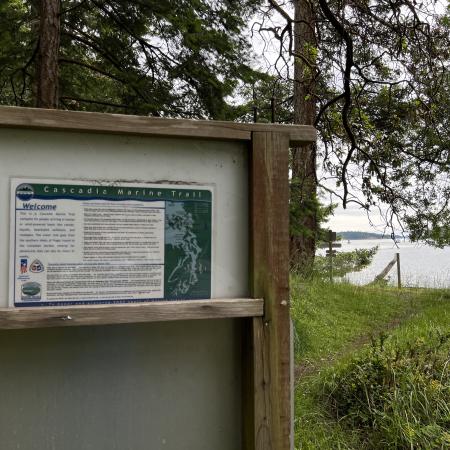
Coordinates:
(24, 192)
(23, 265)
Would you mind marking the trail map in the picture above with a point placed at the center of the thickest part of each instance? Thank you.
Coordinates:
(76, 242)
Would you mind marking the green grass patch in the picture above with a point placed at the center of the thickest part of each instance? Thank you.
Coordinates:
(344, 369)
(328, 317)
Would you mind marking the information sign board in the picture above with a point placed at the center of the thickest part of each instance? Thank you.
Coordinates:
(76, 242)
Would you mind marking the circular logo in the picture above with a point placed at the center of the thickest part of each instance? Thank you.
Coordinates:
(24, 192)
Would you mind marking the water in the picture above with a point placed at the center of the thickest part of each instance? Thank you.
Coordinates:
(421, 265)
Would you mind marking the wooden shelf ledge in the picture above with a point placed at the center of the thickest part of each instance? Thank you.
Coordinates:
(80, 121)
(41, 317)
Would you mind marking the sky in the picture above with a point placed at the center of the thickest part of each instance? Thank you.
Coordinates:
(355, 219)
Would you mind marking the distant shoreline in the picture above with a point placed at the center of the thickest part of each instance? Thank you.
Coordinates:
(360, 235)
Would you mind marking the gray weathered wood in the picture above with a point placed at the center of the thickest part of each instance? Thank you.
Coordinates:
(399, 275)
(268, 413)
(47, 119)
(386, 270)
(330, 253)
(333, 245)
(40, 317)
(332, 235)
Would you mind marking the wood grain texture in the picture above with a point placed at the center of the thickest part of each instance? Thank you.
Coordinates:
(268, 416)
(41, 317)
(46, 119)
(386, 270)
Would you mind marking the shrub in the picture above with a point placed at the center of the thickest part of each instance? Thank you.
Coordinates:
(344, 262)
(397, 397)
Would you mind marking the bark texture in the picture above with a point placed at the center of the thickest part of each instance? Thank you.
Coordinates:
(303, 189)
(48, 52)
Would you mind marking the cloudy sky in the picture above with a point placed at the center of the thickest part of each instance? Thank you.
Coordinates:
(355, 219)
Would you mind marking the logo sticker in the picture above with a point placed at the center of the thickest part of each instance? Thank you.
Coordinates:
(36, 266)
(31, 291)
(23, 265)
(24, 192)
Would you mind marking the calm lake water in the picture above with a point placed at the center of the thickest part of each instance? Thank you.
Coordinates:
(420, 264)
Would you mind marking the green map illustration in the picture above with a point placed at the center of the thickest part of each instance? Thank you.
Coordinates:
(187, 250)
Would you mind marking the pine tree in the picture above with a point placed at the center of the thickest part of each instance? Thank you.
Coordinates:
(171, 58)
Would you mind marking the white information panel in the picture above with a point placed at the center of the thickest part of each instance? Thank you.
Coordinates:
(77, 242)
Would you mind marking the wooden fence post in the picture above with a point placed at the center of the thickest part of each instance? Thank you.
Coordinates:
(399, 278)
(267, 414)
(330, 255)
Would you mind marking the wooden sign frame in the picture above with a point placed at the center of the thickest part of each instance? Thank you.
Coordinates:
(267, 402)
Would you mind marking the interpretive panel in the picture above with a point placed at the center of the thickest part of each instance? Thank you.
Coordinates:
(76, 242)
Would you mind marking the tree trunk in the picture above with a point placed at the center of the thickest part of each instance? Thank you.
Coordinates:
(47, 58)
(303, 187)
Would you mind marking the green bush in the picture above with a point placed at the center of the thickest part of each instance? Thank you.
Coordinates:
(344, 262)
(396, 397)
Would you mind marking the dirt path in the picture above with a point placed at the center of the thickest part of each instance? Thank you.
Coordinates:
(308, 368)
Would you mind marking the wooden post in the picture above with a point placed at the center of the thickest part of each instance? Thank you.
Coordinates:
(267, 403)
(399, 278)
(331, 238)
(385, 271)
(330, 255)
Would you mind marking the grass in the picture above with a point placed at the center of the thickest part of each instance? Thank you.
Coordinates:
(326, 318)
(334, 324)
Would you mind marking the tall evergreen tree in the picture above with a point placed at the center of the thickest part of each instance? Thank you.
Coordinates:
(176, 58)
(47, 54)
(304, 179)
